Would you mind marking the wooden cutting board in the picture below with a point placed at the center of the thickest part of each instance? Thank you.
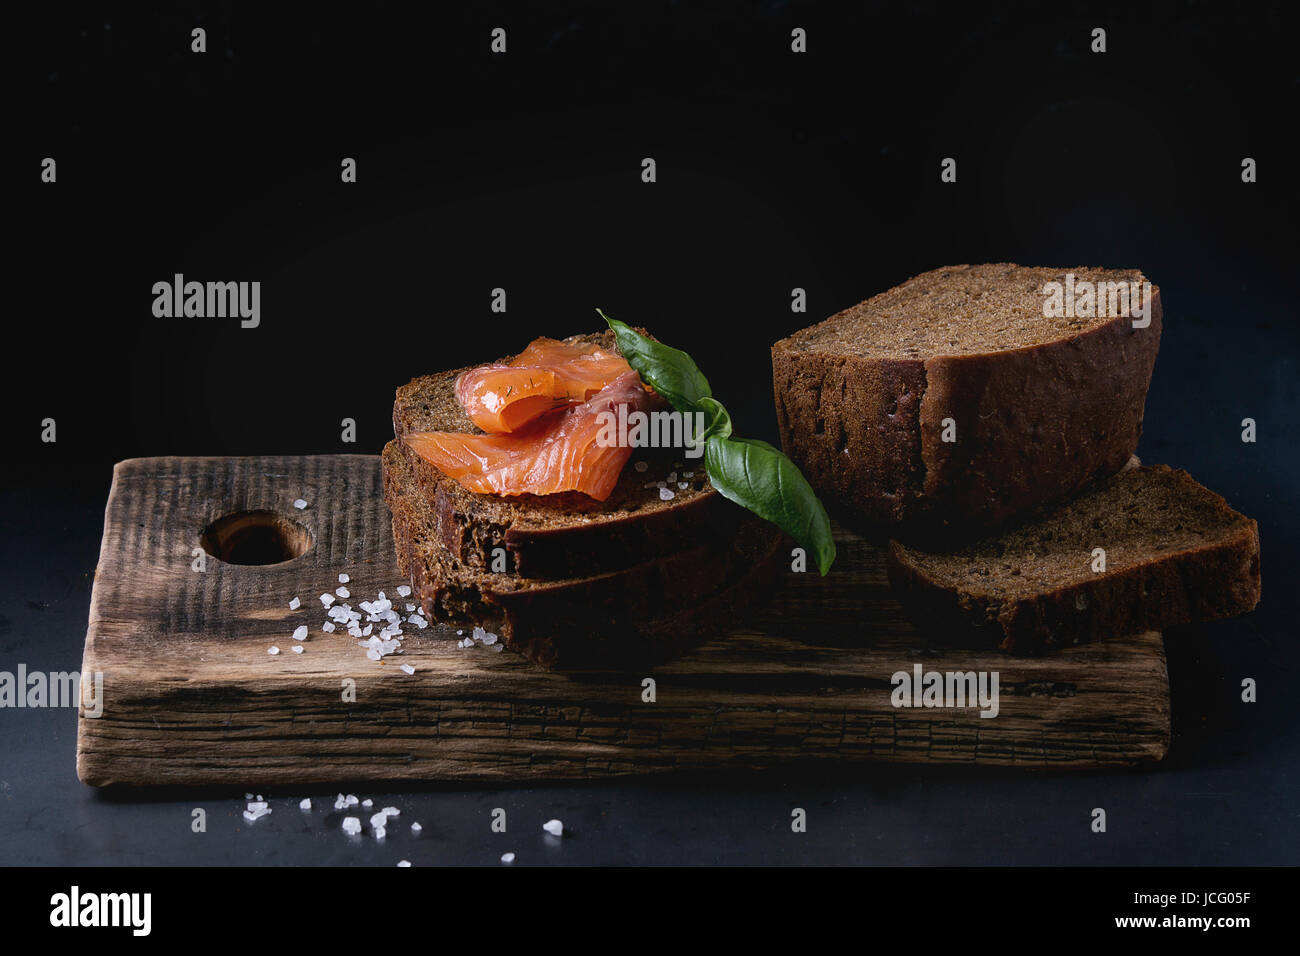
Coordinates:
(191, 695)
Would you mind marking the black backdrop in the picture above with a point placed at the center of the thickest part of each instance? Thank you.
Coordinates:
(522, 171)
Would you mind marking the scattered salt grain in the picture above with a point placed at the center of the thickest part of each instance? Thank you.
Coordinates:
(248, 796)
(300, 504)
(379, 821)
(641, 466)
(407, 669)
(392, 811)
(458, 633)
(300, 632)
(418, 621)
(373, 654)
(403, 590)
(305, 803)
(254, 815)
(367, 803)
(661, 484)
(352, 800)
(667, 494)
(351, 826)
(343, 592)
(295, 604)
(328, 627)
(507, 858)
(416, 828)
(327, 599)
(403, 862)
(380, 832)
(683, 485)
(258, 804)
(489, 638)
(341, 803)
(553, 827)
(344, 579)
(410, 606)
(297, 648)
(273, 650)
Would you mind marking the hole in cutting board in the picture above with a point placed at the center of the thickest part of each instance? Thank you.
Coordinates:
(255, 538)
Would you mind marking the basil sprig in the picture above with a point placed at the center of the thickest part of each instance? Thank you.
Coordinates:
(752, 473)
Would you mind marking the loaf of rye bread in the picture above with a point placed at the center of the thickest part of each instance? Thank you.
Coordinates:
(562, 535)
(1175, 553)
(636, 615)
(1041, 406)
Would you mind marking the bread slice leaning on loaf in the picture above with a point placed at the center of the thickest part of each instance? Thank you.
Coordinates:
(951, 404)
(1143, 551)
(559, 536)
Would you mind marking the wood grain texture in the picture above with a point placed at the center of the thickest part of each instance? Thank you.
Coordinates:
(191, 695)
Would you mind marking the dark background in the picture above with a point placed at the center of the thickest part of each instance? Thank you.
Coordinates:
(522, 171)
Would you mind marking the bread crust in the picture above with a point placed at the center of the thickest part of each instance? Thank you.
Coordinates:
(604, 618)
(1035, 425)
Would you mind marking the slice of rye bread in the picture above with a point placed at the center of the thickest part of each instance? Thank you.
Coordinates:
(647, 612)
(558, 536)
(1175, 553)
(1042, 406)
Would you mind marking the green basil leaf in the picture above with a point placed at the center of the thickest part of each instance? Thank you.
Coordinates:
(669, 371)
(757, 476)
(717, 420)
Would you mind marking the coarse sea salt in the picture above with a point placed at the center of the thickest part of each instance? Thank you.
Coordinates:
(667, 494)
(351, 826)
(304, 803)
(295, 604)
(300, 632)
(328, 627)
(254, 815)
(416, 828)
(507, 858)
(407, 669)
(327, 599)
(379, 820)
(403, 590)
(297, 648)
(273, 650)
(300, 504)
(403, 862)
(344, 579)
(553, 827)
(343, 592)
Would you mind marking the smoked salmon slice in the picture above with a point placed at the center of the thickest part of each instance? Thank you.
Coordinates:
(559, 451)
(547, 375)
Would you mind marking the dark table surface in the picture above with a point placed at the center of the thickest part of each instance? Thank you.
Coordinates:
(523, 172)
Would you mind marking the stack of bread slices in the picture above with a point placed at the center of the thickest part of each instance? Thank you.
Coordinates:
(564, 579)
(980, 422)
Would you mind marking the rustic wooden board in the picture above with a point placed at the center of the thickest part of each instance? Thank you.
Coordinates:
(191, 695)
